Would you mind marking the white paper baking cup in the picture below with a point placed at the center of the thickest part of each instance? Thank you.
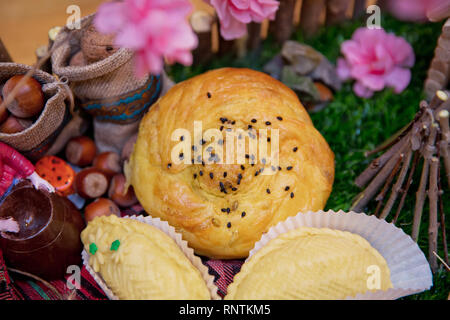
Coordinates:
(410, 271)
(170, 231)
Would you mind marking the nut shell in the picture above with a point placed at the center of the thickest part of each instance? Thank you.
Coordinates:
(108, 162)
(91, 183)
(29, 100)
(117, 192)
(3, 111)
(100, 207)
(81, 151)
(13, 125)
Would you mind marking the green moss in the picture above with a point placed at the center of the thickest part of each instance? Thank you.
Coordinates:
(352, 125)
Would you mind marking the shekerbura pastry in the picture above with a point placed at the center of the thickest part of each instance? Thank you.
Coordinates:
(311, 263)
(140, 262)
(223, 207)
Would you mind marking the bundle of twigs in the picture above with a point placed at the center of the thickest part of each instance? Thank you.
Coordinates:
(427, 137)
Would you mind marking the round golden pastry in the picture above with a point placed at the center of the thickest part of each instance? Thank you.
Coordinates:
(311, 264)
(223, 209)
(140, 262)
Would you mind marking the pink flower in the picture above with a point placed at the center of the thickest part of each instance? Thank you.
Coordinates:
(154, 29)
(419, 10)
(235, 14)
(376, 59)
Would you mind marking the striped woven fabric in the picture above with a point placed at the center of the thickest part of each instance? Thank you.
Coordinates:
(6, 290)
(22, 288)
(16, 287)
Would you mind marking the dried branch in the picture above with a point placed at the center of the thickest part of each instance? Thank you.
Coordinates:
(428, 153)
(442, 217)
(359, 8)
(443, 117)
(254, 35)
(433, 217)
(377, 164)
(408, 184)
(397, 186)
(283, 25)
(384, 190)
(202, 23)
(337, 11)
(364, 198)
(427, 137)
(313, 12)
(391, 141)
(437, 76)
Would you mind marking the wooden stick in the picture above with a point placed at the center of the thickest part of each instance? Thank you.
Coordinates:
(437, 76)
(420, 194)
(406, 188)
(283, 24)
(365, 196)
(397, 186)
(442, 217)
(439, 98)
(444, 143)
(433, 216)
(254, 36)
(4, 54)
(377, 164)
(359, 8)
(311, 16)
(226, 47)
(384, 190)
(337, 11)
(391, 141)
(201, 23)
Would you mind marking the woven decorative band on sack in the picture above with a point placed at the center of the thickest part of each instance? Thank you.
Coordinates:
(126, 108)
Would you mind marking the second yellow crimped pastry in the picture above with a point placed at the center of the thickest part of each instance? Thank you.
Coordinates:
(140, 262)
(311, 263)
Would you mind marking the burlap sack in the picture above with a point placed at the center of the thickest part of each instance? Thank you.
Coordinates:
(35, 141)
(107, 89)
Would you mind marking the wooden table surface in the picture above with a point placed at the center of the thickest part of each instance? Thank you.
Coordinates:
(24, 24)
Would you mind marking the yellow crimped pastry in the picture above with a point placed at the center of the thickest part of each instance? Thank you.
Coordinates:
(140, 262)
(222, 209)
(311, 263)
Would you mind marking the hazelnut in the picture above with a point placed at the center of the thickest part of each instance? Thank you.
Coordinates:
(100, 207)
(29, 100)
(15, 125)
(91, 183)
(81, 151)
(108, 162)
(118, 193)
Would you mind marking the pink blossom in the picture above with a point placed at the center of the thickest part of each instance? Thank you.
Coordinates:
(154, 29)
(235, 14)
(419, 10)
(376, 59)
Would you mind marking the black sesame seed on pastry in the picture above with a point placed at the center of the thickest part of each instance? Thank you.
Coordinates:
(223, 209)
